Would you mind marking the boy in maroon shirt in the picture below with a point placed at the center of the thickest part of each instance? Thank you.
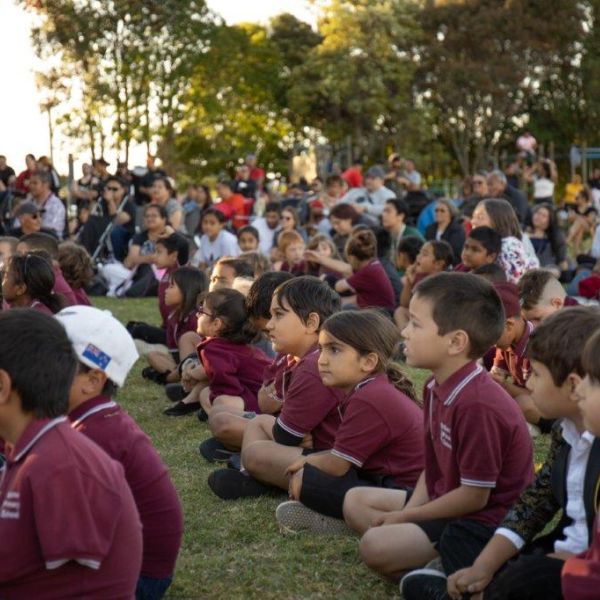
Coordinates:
(106, 353)
(478, 454)
(68, 521)
(309, 416)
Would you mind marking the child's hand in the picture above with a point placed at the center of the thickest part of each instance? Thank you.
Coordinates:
(410, 273)
(296, 466)
(469, 581)
(393, 517)
(312, 256)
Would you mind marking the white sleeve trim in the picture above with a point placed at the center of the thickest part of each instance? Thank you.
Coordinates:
(86, 562)
(514, 538)
(289, 429)
(350, 459)
(477, 483)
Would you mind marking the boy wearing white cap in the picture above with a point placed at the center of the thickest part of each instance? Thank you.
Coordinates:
(106, 352)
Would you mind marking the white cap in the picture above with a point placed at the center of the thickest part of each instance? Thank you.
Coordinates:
(99, 340)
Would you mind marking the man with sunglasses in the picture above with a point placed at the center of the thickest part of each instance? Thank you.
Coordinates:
(29, 220)
(115, 190)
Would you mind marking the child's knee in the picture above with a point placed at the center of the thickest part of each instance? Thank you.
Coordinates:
(354, 502)
(219, 423)
(370, 548)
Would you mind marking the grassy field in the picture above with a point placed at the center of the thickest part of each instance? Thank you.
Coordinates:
(234, 549)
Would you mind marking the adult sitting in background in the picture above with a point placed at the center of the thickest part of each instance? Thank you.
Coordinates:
(234, 206)
(478, 191)
(163, 194)
(22, 183)
(370, 199)
(51, 207)
(543, 176)
(393, 218)
(289, 222)
(194, 204)
(447, 227)
(353, 175)
(44, 164)
(547, 239)
(333, 192)
(85, 190)
(498, 188)
(256, 173)
(410, 178)
(517, 255)
(343, 218)
(267, 226)
(29, 220)
(583, 217)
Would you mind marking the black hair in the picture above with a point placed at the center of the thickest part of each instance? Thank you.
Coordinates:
(258, 301)
(369, 331)
(34, 271)
(307, 294)
(442, 251)
(273, 207)
(117, 179)
(241, 267)
(411, 246)
(38, 357)
(489, 238)
(162, 211)
(384, 241)
(226, 183)
(167, 183)
(400, 205)
(192, 282)
(468, 302)
(493, 272)
(41, 241)
(216, 213)
(176, 243)
(345, 212)
(230, 306)
(249, 229)
(554, 232)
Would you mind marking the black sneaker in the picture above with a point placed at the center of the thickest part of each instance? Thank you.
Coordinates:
(180, 409)
(231, 485)
(153, 375)
(202, 415)
(424, 584)
(175, 392)
(214, 451)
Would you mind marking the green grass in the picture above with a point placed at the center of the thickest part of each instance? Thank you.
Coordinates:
(234, 549)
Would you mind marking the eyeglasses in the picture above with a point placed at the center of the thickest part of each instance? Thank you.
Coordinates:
(202, 311)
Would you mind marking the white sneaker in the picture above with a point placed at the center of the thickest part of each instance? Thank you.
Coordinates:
(429, 582)
(293, 516)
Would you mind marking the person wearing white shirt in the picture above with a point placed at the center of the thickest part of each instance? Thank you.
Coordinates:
(267, 226)
(216, 241)
(370, 200)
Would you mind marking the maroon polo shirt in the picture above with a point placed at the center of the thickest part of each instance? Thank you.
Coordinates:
(275, 371)
(81, 297)
(233, 369)
(381, 431)
(176, 328)
(373, 287)
(514, 359)
(41, 307)
(107, 424)
(163, 284)
(68, 521)
(308, 405)
(475, 435)
(62, 287)
(461, 268)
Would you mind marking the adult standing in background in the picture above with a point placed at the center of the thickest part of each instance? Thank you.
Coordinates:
(527, 144)
(256, 173)
(244, 184)
(22, 184)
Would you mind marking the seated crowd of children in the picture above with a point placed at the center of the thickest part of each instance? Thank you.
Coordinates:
(294, 364)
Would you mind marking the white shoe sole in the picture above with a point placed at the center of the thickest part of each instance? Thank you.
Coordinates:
(293, 516)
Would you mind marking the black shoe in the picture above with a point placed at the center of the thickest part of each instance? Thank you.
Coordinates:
(153, 375)
(180, 409)
(424, 584)
(230, 485)
(214, 451)
(175, 392)
(202, 415)
(235, 462)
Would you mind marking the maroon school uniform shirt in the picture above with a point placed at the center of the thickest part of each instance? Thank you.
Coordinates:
(62, 287)
(580, 577)
(233, 369)
(106, 423)
(81, 297)
(373, 287)
(514, 359)
(68, 521)
(381, 431)
(461, 268)
(308, 405)
(475, 435)
(275, 372)
(176, 328)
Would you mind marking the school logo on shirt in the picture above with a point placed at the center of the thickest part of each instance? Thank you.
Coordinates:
(99, 358)
(446, 436)
(11, 507)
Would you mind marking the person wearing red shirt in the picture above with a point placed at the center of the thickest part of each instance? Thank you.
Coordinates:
(22, 183)
(68, 521)
(237, 207)
(478, 452)
(353, 175)
(256, 173)
(106, 353)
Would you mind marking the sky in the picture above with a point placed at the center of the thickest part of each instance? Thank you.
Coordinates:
(24, 127)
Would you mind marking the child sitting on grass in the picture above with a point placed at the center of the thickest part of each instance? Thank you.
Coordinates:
(248, 239)
(69, 524)
(478, 453)
(106, 353)
(291, 246)
(230, 369)
(215, 241)
(565, 483)
(482, 247)
(309, 415)
(380, 440)
(77, 268)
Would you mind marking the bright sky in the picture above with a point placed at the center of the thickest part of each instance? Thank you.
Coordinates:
(24, 128)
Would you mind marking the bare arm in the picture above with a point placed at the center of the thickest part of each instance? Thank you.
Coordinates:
(339, 266)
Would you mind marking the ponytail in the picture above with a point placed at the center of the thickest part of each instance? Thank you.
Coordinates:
(400, 381)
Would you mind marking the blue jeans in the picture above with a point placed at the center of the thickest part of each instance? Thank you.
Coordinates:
(119, 237)
(149, 588)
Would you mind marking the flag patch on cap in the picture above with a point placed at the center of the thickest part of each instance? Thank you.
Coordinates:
(95, 355)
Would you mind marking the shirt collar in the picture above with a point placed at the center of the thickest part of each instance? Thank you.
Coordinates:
(89, 407)
(572, 436)
(449, 390)
(520, 347)
(32, 434)
(364, 382)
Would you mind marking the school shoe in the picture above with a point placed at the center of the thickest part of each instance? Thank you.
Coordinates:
(202, 414)
(235, 461)
(175, 392)
(214, 451)
(229, 484)
(293, 516)
(181, 408)
(153, 375)
(429, 583)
